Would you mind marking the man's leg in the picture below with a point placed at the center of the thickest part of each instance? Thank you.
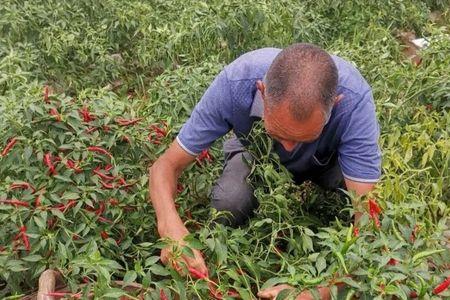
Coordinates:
(232, 193)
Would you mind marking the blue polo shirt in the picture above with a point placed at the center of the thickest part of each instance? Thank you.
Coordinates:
(232, 102)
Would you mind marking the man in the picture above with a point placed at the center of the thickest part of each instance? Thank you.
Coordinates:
(318, 109)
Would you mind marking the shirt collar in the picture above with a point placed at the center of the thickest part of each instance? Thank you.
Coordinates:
(257, 109)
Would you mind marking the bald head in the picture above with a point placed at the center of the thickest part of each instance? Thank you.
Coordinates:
(305, 76)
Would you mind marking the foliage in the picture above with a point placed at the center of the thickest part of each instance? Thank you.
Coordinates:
(151, 61)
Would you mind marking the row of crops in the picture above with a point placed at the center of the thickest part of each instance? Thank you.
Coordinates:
(92, 92)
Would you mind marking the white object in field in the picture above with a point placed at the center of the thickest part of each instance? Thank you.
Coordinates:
(421, 43)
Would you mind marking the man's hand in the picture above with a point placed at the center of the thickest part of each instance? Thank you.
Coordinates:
(163, 182)
(360, 189)
(177, 234)
(272, 292)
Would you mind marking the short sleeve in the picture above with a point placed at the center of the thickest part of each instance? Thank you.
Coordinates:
(359, 151)
(210, 118)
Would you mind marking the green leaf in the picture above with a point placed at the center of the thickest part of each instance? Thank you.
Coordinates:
(114, 293)
(130, 276)
(274, 281)
(32, 258)
(159, 270)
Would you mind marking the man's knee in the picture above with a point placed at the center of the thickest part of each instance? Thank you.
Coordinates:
(233, 194)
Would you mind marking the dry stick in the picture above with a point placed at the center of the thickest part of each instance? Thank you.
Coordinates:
(47, 282)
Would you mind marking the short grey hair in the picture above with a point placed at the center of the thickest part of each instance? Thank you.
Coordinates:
(306, 76)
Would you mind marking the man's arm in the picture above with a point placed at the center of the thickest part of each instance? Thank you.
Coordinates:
(360, 188)
(163, 179)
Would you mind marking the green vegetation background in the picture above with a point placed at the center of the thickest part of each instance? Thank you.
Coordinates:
(164, 54)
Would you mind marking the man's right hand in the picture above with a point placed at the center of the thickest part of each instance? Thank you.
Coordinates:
(177, 235)
(163, 179)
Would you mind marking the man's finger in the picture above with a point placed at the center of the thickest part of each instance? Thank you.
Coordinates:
(197, 262)
(272, 292)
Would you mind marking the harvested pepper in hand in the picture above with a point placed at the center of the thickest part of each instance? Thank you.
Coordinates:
(197, 274)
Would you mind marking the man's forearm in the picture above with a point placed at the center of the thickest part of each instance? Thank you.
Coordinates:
(163, 182)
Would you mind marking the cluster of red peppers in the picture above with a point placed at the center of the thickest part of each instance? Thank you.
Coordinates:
(158, 132)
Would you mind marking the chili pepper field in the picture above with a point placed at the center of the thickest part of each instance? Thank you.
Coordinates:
(92, 92)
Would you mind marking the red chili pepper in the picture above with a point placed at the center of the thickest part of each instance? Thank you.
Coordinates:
(100, 209)
(197, 274)
(99, 150)
(374, 211)
(104, 220)
(108, 167)
(233, 294)
(119, 240)
(155, 142)
(87, 117)
(55, 113)
(91, 129)
(126, 139)
(22, 185)
(442, 286)
(46, 94)
(64, 207)
(105, 185)
(160, 132)
(162, 295)
(15, 202)
(113, 202)
(51, 223)
(392, 262)
(101, 175)
(48, 162)
(204, 155)
(106, 128)
(72, 165)
(37, 201)
(63, 294)
(180, 188)
(413, 294)
(356, 231)
(214, 293)
(9, 146)
(414, 233)
(127, 122)
(124, 184)
(104, 235)
(23, 234)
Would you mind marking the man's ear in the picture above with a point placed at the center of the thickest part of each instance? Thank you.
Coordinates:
(261, 87)
(338, 98)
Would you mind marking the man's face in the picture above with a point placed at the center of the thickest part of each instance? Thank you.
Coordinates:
(283, 127)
